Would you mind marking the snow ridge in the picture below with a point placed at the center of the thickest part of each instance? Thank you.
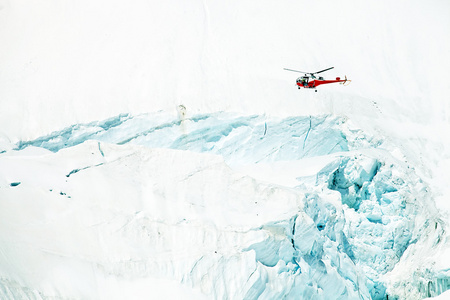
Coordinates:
(219, 133)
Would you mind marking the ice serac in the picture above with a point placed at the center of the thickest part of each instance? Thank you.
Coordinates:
(311, 207)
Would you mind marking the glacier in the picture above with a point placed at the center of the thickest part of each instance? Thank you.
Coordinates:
(159, 150)
(198, 200)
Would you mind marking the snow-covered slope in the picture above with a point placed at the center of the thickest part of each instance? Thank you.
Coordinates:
(339, 193)
(313, 207)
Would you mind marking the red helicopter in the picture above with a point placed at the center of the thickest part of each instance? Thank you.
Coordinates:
(304, 82)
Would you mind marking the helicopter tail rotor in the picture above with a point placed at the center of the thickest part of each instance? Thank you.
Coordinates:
(346, 81)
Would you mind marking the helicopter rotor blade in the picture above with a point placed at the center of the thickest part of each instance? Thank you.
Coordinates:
(296, 71)
(323, 70)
